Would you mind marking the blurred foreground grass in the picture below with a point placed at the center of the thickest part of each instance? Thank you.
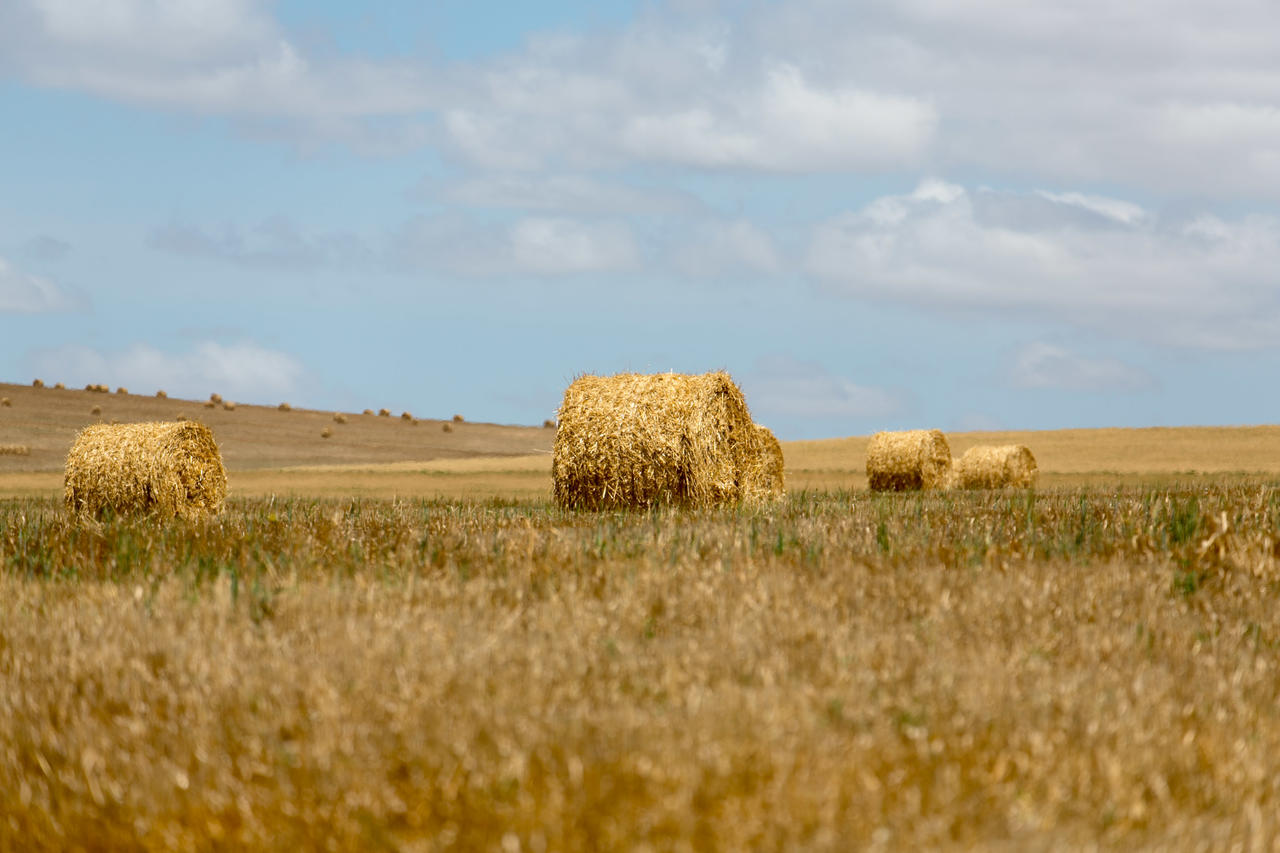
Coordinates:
(1081, 665)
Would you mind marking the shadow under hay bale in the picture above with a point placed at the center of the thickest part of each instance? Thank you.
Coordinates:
(764, 477)
(909, 460)
(635, 440)
(996, 467)
(165, 469)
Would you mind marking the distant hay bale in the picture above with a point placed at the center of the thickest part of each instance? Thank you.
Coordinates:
(229, 406)
(96, 410)
(457, 419)
(384, 413)
(635, 440)
(326, 432)
(167, 469)
(367, 412)
(215, 398)
(14, 450)
(61, 386)
(97, 388)
(764, 479)
(161, 394)
(549, 423)
(446, 427)
(37, 383)
(914, 459)
(339, 418)
(405, 416)
(122, 390)
(285, 407)
(6, 402)
(181, 416)
(209, 404)
(995, 467)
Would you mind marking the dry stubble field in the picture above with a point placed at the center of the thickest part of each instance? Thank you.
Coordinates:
(1094, 664)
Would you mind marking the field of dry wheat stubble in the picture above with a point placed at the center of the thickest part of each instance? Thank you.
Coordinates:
(840, 670)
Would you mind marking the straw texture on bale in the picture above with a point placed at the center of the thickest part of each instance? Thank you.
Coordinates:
(903, 461)
(405, 416)
(168, 469)
(97, 388)
(635, 440)
(764, 478)
(995, 467)
(14, 450)
(215, 398)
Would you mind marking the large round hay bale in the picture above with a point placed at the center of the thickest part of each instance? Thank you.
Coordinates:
(169, 469)
(764, 469)
(635, 440)
(994, 467)
(913, 459)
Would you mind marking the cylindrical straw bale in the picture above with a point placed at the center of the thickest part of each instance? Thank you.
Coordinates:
(635, 440)
(169, 469)
(764, 472)
(913, 459)
(994, 467)
(162, 394)
(37, 383)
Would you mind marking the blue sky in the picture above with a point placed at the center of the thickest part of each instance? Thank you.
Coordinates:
(875, 215)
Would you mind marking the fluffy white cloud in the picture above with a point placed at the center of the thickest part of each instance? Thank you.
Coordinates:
(533, 245)
(239, 371)
(24, 293)
(1206, 282)
(1042, 365)
(784, 387)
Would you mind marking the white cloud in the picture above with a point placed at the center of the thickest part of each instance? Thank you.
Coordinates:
(534, 245)
(784, 387)
(272, 244)
(1206, 282)
(566, 194)
(788, 124)
(241, 371)
(1042, 365)
(24, 293)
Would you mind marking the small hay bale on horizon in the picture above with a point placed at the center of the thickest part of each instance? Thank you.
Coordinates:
(14, 450)
(367, 412)
(764, 478)
(405, 416)
(122, 390)
(161, 394)
(384, 413)
(166, 469)
(996, 467)
(37, 383)
(457, 419)
(446, 427)
(339, 418)
(549, 423)
(326, 432)
(908, 460)
(284, 407)
(229, 405)
(61, 386)
(215, 398)
(636, 440)
(209, 404)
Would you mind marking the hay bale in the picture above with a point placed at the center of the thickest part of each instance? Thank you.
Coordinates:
(384, 413)
(96, 410)
(14, 450)
(405, 416)
(995, 467)
(457, 419)
(367, 412)
(61, 386)
(165, 469)
(37, 383)
(122, 390)
(326, 432)
(161, 394)
(635, 440)
(339, 418)
(181, 416)
(6, 402)
(764, 479)
(549, 423)
(446, 427)
(215, 398)
(285, 407)
(209, 404)
(229, 406)
(914, 459)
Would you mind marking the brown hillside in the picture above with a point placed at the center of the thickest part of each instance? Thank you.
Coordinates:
(250, 437)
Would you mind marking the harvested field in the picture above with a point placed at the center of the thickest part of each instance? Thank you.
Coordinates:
(1049, 670)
